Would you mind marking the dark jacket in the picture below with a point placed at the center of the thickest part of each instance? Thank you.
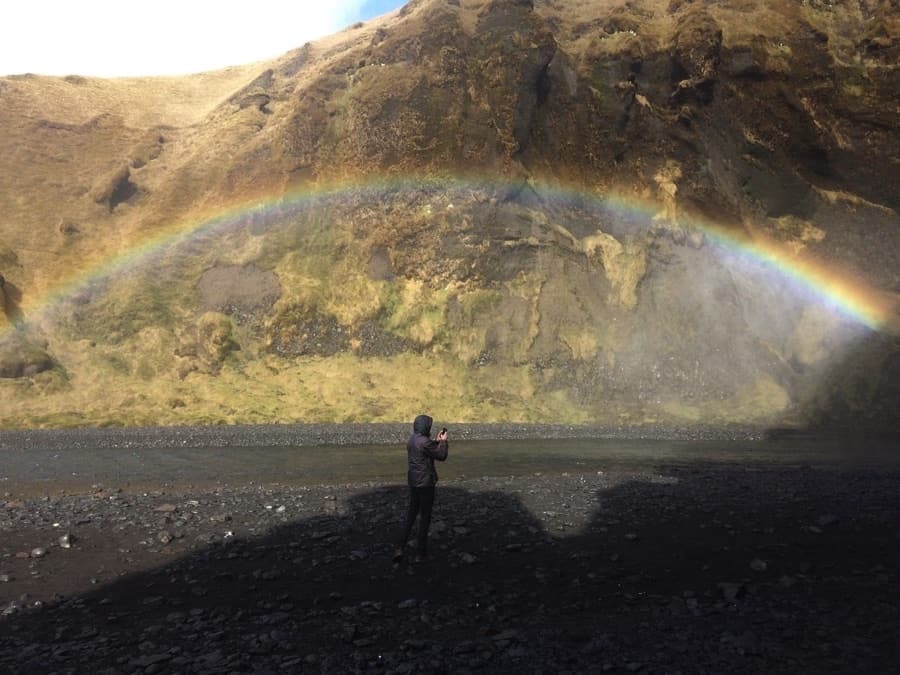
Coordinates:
(421, 451)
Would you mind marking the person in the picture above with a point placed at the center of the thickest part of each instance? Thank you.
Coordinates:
(421, 451)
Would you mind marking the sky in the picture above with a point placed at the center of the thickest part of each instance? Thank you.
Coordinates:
(112, 38)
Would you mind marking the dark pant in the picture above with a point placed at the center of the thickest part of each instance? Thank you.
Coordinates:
(421, 499)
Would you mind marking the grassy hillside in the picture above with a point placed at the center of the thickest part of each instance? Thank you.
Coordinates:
(630, 213)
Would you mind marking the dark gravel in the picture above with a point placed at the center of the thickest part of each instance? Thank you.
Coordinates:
(298, 435)
(695, 569)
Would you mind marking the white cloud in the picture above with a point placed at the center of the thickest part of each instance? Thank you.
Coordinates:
(111, 38)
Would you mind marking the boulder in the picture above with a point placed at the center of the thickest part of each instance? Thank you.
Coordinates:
(20, 357)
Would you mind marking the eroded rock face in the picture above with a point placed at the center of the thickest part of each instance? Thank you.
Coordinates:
(113, 187)
(696, 53)
(244, 292)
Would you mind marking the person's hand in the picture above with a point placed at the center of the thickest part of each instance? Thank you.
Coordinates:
(442, 436)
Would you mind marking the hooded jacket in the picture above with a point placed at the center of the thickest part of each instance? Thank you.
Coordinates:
(421, 451)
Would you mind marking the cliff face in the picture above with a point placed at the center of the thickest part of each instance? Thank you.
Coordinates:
(670, 212)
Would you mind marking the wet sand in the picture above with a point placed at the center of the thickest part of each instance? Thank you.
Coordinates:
(71, 461)
(666, 557)
(40, 463)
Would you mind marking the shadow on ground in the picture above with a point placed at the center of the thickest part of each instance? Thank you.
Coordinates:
(710, 569)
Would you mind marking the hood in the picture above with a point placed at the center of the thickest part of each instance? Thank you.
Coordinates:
(422, 425)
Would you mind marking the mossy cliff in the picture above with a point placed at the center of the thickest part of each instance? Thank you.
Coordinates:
(490, 210)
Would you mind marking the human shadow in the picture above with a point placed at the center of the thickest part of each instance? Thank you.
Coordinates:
(698, 569)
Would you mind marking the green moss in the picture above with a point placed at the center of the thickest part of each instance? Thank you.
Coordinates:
(415, 311)
(126, 309)
(479, 302)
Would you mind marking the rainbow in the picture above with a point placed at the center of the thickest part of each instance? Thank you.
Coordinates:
(834, 288)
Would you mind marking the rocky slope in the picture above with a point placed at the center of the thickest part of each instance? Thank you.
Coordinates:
(632, 213)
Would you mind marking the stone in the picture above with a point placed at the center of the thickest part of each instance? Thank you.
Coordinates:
(731, 590)
(826, 520)
(149, 660)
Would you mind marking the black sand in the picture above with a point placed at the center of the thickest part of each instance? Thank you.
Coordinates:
(676, 567)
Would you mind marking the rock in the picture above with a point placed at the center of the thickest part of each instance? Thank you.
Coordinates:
(166, 508)
(21, 357)
(113, 187)
(255, 94)
(66, 541)
(279, 635)
(697, 45)
(505, 635)
(731, 591)
(258, 101)
(164, 537)
(746, 643)
(408, 604)
(149, 660)
(38, 552)
(758, 565)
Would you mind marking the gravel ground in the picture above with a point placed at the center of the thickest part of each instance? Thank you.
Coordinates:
(696, 569)
(300, 435)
